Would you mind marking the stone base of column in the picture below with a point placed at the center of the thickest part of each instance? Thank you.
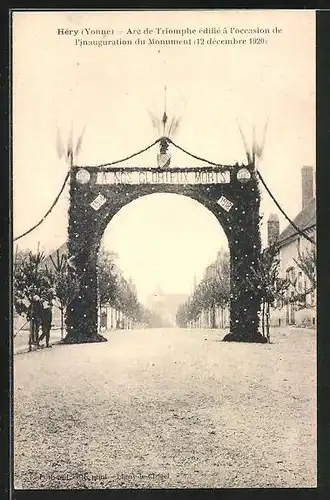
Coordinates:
(83, 339)
(252, 337)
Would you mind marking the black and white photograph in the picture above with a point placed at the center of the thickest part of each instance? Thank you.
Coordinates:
(164, 273)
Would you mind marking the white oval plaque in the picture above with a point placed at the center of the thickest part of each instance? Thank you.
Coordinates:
(243, 175)
(83, 176)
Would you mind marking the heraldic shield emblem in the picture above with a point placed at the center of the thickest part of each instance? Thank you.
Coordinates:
(163, 160)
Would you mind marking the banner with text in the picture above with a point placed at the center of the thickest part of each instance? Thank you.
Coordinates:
(163, 177)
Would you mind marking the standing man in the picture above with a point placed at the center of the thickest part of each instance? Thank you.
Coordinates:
(34, 314)
(46, 322)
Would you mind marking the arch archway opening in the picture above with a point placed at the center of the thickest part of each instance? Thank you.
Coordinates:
(161, 245)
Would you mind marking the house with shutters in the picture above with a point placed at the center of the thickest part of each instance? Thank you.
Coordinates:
(290, 245)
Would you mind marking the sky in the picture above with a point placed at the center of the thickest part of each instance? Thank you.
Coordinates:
(107, 92)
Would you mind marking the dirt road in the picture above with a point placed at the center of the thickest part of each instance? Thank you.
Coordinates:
(167, 409)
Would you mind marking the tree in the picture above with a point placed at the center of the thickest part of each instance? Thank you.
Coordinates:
(29, 279)
(182, 315)
(114, 289)
(107, 280)
(64, 284)
(212, 291)
(220, 283)
(267, 284)
(126, 299)
(306, 262)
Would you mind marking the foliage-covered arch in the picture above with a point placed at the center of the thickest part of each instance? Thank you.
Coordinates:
(98, 193)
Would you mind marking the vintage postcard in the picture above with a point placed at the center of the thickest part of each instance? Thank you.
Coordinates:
(164, 263)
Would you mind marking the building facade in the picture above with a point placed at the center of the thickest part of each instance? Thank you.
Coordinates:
(299, 305)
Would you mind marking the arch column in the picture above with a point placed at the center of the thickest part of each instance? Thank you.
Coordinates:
(82, 311)
(245, 250)
(83, 244)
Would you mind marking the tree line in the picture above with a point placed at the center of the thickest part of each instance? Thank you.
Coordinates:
(214, 288)
(211, 292)
(54, 282)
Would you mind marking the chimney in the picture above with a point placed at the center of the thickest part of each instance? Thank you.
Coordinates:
(307, 185)
(273, 229)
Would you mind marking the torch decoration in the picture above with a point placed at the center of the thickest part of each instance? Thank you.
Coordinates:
(256, 152)
(166, 128)
(69, 152)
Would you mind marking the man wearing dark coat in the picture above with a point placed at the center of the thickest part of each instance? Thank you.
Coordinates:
(46, 322)
(34, 315)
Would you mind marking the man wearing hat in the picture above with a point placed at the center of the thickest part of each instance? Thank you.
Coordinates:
(34, 315)
(46, 322)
